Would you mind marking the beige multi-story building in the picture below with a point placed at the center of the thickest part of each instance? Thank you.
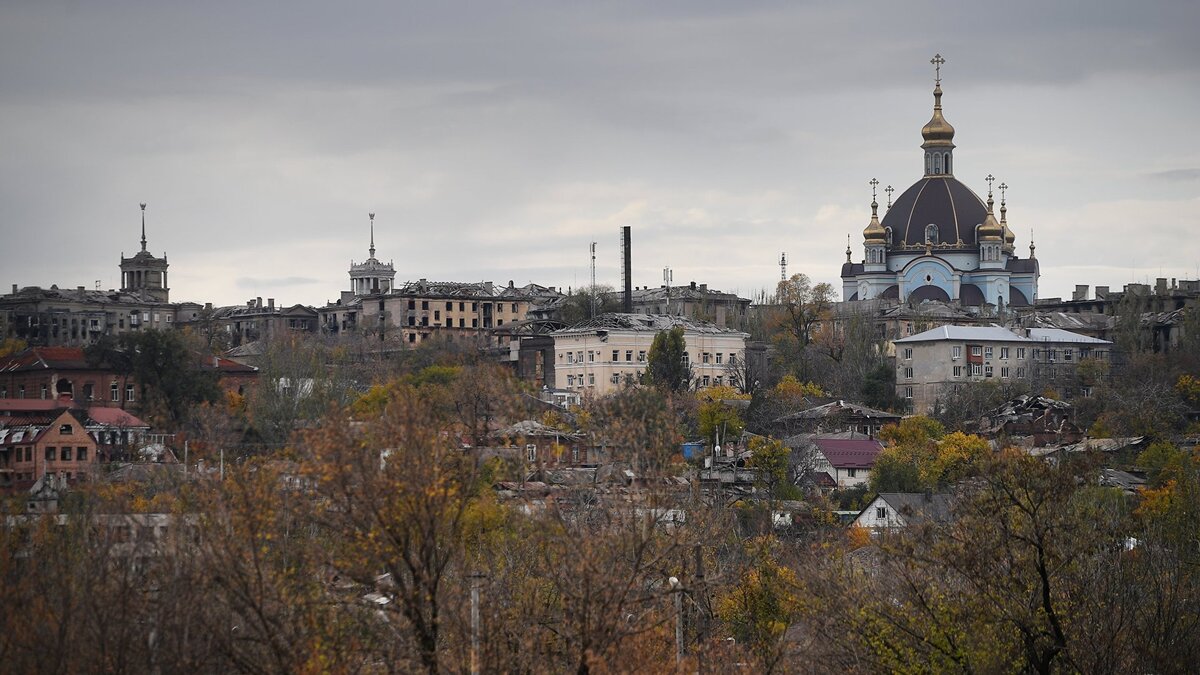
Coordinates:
(936, 362)
(418, 310)
(599, 356)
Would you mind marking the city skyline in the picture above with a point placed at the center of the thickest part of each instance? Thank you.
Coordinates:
(497, 144)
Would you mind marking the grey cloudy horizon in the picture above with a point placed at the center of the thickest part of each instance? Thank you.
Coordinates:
(495, 141)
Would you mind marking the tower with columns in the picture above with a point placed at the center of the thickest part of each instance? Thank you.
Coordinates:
(144, 273)
(371, 276)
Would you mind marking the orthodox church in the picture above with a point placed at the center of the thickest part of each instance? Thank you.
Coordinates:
(939, 240)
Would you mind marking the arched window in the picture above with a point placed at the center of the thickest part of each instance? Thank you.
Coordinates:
(948, 163)
(931, 234)
(937, 164)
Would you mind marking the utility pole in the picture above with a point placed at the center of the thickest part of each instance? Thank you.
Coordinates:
(476, 577)
(677, 592)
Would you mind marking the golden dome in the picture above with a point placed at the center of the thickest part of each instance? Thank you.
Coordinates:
(938, 132)
(874, 232)
(990, 230)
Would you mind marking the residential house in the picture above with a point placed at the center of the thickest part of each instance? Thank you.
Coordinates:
(903, 509)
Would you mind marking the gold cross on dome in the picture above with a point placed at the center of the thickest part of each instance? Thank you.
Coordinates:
(873, 183)
(1003, 189)
(889, 189)
(937, 62)
(990, 178)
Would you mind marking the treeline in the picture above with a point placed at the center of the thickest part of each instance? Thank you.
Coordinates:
(360, 544)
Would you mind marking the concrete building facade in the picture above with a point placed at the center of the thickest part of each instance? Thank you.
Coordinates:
(934, 363)
(601, 355)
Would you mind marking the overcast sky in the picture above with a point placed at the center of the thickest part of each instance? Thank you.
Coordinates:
(495, 140)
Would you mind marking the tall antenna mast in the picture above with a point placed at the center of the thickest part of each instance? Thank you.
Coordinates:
(783, 266)
(668, 277)
(593, 279)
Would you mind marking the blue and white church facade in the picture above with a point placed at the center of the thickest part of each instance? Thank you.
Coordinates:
(939, 240)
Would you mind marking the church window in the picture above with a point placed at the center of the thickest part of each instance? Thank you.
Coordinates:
(931, 233)
(948, 163)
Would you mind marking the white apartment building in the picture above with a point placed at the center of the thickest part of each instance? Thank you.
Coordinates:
(936, 361)
(600, 355)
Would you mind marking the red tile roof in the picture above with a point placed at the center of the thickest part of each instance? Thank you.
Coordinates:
(849, 453)
(114, 417)
(35, 358)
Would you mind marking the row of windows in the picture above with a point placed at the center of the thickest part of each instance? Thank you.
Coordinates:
(615, 378)
(980, 350)
(592, 355)
(980, 370)
(52, 453)
(412, 304)
(114, 392)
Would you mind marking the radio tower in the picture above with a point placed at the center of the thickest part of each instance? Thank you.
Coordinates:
(593, 289)
(783, 266)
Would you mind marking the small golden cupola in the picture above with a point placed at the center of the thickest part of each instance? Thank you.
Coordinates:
(938, 134)
(1010, 239)
(990, 230)
(874, 232)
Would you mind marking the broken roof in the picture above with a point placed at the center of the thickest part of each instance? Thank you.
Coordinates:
(838, 408)
(996, 333)
(646, 323)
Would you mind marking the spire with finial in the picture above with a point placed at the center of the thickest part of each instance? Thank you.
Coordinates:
(848, 252)
(372, 217)
(889, 190)
(1032, 246)
(874, 232)
(143, 226)
(990, 230)
(938, 134)
(1010, 237)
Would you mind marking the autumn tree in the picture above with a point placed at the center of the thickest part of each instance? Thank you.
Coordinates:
(920, 455)
(800, 306)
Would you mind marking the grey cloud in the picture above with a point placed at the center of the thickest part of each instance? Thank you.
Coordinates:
(1177, 175)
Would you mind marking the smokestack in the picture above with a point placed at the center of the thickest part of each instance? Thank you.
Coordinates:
(628, 254)
(270, 303)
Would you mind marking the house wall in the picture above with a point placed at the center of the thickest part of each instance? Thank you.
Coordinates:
(870, 516)
(601, 365)
(25, 461)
